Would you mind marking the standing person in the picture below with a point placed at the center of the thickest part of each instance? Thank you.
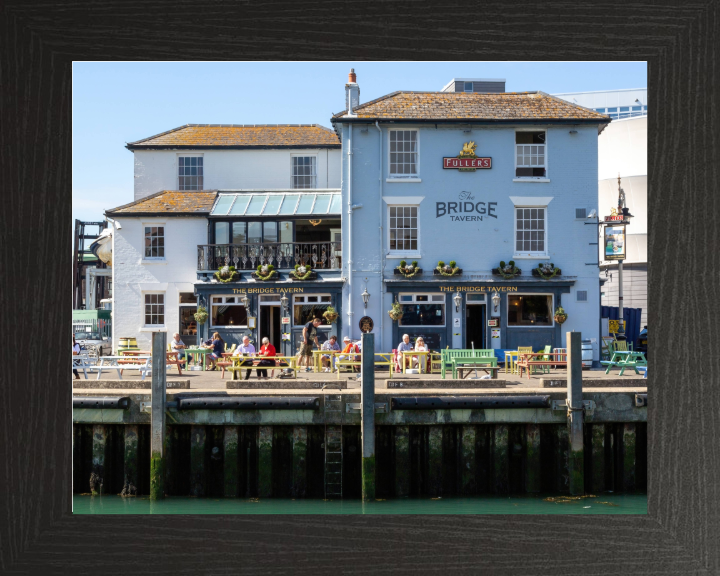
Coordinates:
(328, 360)
(76, 352)
(246, 349)
(309, 336)
(404, 346)
(267, 350)
(217, 350)
(177, 345)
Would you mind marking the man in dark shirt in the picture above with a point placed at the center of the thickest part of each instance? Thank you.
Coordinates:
(309, 336)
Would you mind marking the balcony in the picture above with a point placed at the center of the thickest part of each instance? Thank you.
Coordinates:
(282, 255)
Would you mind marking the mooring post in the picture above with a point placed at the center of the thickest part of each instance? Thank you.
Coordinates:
(576, 460)
(368, 416)
(157, 417)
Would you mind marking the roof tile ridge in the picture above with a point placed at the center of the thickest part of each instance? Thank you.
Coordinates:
(161, 134)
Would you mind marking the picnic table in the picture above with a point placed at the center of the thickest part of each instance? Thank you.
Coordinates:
(625, 359)
(527, 362)
(120, 363)
(468, 365)
(422, 362)
(510, 360)
(317, 356)
(387, 359)
(237, 367)
(170, 358)
(197, 352)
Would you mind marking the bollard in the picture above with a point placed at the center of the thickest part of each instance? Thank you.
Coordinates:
(157, 415)
(576, 461)
(367, 395)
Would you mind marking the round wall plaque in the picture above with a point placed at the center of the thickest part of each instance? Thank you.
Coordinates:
(366, 324)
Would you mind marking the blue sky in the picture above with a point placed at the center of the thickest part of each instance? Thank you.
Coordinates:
(115, 103)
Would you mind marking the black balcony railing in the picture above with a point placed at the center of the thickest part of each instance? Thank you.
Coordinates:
(321, 255)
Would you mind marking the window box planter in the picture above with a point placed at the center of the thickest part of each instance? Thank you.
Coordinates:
(409, 271)
(302, 273)
(447, 270)
(507, 271)
(227, 274)
(456, 272)
(265, 273)
(416, 272)
(546, 272)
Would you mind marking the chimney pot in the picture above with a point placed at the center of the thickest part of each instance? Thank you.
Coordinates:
(352, 78)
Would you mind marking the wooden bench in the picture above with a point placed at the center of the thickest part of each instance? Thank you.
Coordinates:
(236, 367)
(527, 362)
(447, 355)
(467, 370)
(386, 361)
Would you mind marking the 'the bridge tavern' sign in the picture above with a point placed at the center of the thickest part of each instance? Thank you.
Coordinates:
(467, 161)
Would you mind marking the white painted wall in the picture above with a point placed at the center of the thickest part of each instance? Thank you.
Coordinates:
(133, 275)
(157, 170)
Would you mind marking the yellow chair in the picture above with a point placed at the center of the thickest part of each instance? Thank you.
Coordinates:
(521, 350)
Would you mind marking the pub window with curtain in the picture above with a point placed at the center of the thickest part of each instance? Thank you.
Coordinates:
(530, 310)
(228, 311)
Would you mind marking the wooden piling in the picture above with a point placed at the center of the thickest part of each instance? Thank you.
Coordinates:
(532, 456)
(435, 455)
(598, 458)
(99, 445)
(230, 461)
(265, 445)
(299, 470)
(157, 424)
(402, 461)
(628, 452)
(561, 461)
(468, 467)
(576, 450)
(501, 460)
(367, 429)
(198, 439)
(130, 458)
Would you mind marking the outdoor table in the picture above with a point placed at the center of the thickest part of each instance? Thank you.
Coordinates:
(527, 361)
(467, 366)
(170, 357)
(111, 363)
(422, 362)
(317, 358)
(237, 367)
(197, 352)
(625, 359)
(512, 355)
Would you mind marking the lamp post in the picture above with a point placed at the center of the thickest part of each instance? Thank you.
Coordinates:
(622, 209)
(458, 300)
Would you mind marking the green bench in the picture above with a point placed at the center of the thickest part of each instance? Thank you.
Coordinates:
(463, 355)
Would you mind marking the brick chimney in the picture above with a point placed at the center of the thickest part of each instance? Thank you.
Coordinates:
(352, 93)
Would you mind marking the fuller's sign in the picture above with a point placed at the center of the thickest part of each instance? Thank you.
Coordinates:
(467, 161)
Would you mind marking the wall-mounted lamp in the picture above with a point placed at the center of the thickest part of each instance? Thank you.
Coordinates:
(284, 302)
(365, 296)
(246, 302)
(458, 300)
(496, 300)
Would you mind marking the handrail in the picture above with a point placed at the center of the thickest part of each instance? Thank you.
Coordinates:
(323, 255)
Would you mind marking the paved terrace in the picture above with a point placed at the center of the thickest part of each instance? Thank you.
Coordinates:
(196, 380)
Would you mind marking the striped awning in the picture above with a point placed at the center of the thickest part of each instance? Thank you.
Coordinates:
(277, 204)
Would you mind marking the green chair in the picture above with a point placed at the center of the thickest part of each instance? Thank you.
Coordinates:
(545, 358)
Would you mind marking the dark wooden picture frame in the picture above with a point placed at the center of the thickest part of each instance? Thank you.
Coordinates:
(39, 534)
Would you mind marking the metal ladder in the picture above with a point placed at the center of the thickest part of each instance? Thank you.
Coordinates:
(333, 445)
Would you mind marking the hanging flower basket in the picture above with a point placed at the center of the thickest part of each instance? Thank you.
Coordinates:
(265, 272)
(409, 271)
(330, 315)
(450, 269)
(227, 274)
(560, 315)
(303, 273)
(201, 315)
(507, 271)
(397, 312)
(546, 271)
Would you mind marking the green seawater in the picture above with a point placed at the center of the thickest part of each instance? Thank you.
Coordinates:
(602, 504)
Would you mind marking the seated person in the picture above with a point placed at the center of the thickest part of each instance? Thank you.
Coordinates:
(267, 351)
(246, 349)
(404, 346)
(419, 347)
(177, 345)
(217, 346)
(346, 352)
(325, 359)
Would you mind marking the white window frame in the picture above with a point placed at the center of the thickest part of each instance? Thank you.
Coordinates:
(429, 301)
(403, 253)
(404, 177)
(523, 326)
(530, 254)
(177, 169)
(154, 259)
(545, 178)
(238, 302)
(164, 305)
(292, 171)
(302, 300)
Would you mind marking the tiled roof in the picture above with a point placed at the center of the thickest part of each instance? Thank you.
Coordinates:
(170, 202)
(241, 136)
(506, 106)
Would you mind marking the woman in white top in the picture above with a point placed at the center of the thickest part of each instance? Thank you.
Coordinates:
(419, 347)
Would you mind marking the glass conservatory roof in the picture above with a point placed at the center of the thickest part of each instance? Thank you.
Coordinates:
(295, 203)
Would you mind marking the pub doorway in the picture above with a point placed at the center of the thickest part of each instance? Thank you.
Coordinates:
(270, 313)
(474, 325)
